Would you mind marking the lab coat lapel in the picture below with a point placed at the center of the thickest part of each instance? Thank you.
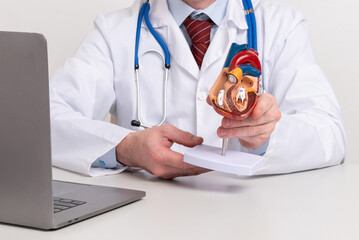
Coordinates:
(226, 33)
(180, 52)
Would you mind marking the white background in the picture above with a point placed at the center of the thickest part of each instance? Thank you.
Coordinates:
(334, 31)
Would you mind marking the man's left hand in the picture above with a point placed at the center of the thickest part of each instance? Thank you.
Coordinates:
(253, 131)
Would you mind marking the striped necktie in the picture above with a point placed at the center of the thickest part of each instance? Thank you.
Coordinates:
(200, 33)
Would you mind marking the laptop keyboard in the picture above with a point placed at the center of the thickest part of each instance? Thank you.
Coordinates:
(61, 204)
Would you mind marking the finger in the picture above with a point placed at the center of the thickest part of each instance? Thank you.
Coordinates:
(168, 157)
(247, 131)
(166, 163)
(192, 171)
(272, 115)
(181, 137)
(172, 165)
(253, 142)
(164, 172)
(265, 102)
(175, 160)
(250, 121)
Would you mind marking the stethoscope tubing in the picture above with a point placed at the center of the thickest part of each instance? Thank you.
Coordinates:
(144, 14)
(138, 34)
(251, 22)
(157, 37)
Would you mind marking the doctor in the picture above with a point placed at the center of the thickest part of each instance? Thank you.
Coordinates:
(297, 125)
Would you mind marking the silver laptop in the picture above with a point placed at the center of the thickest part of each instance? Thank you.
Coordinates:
(28, 196)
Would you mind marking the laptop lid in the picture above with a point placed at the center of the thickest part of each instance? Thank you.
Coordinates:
(26, 186)
(25, 148)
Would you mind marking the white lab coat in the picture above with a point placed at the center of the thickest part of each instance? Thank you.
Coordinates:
(100, 78)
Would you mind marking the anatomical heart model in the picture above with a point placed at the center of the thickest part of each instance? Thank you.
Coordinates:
(235, 92)
(234, 95)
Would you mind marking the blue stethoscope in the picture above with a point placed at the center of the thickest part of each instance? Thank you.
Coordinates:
(252, 43)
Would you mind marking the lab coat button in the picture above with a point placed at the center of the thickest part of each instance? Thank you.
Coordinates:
(202, 96)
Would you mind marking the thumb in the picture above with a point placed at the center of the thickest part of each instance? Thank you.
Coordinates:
(182, 137)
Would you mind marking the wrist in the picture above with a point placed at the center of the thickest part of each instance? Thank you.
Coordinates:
(123, 151)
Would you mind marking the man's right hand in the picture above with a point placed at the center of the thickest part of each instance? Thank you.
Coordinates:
(150, 149)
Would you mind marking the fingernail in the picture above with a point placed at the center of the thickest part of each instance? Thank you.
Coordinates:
(195, 138)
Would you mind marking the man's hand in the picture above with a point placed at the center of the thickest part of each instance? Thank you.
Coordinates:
(253, 131)
(150, 149)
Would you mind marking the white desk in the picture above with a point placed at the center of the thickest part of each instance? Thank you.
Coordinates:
(321, 204)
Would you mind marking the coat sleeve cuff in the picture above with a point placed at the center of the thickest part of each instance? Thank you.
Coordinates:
(108, 160)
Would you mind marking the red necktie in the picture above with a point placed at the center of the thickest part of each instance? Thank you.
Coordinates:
(199, 32)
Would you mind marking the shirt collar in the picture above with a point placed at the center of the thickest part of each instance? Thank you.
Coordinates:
(180, 11)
